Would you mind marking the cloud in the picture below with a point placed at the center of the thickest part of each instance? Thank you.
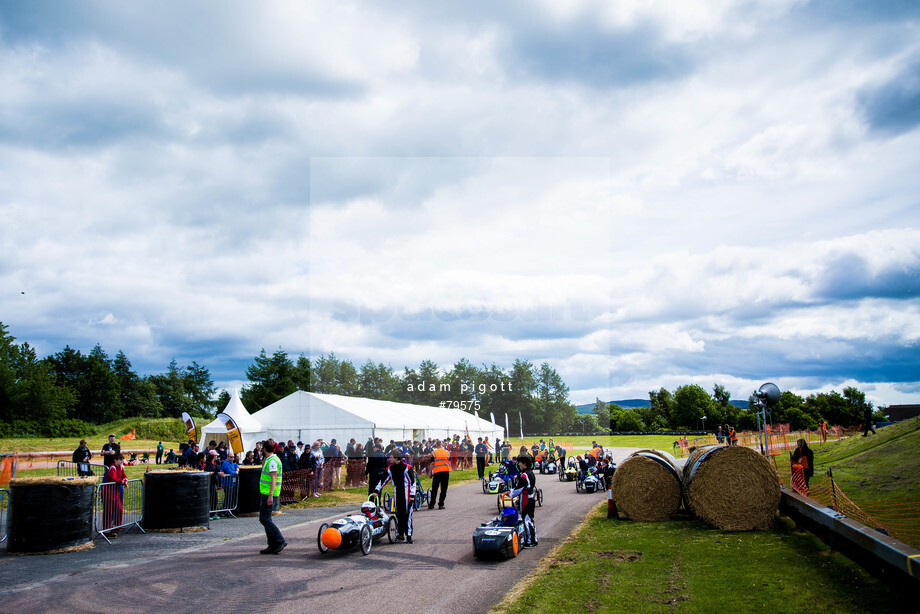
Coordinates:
(893, 108)
(640, 193)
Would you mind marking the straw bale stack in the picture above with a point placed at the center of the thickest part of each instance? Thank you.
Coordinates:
(647, 486)
(732, 488)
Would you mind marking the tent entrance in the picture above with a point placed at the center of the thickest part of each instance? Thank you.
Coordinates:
(418, 434)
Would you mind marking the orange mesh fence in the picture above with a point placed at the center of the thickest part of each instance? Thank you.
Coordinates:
(780, 438)
(899, 519)
(7, 466)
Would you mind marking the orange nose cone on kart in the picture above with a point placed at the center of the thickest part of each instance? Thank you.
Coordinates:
(332, 539)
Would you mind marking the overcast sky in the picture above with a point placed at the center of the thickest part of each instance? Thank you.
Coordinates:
(643, 194)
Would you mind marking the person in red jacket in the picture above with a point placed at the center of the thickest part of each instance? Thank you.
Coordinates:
(113, 492)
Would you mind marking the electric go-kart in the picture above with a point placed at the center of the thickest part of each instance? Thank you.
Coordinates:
(590, 482)
(501, 480)
(569, 473)
(505, 500)
(361, 529)
(501, 536)
(548, 466)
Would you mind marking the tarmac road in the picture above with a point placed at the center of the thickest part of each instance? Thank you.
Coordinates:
(220, 570)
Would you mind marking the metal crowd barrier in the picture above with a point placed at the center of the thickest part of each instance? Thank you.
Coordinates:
(118, 507)
(227, 495)
(70, 469)
(4, 507)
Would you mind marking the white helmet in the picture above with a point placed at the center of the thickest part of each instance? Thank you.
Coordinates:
(368, 508)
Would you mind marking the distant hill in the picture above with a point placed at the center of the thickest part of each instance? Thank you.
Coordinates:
(632, 403)
(626, 403)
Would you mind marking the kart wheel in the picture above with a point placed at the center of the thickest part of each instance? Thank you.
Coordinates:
(499, 504)
(428, 497)
(485, 487)
(386, 502)
(417, 502)
(319, 538)
(561, 477)
(366, 540)
(577, 486)
(391, 530)
(540, 497)
(515, 545)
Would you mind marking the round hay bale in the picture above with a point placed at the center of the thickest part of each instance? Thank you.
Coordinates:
(647, 486)
(51, 514)
(176, 499)
(249, 496)
(732, 488)
(662, 454)
(693, 457)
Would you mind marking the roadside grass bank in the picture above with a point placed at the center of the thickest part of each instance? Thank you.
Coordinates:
(879, 467)
(684, 566)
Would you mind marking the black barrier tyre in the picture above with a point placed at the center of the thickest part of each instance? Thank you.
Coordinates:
(391, 530)
(366, 540)
(540, 497)
(319, 538)
(485, 486)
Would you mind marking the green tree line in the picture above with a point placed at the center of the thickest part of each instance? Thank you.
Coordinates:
(536, 394)
(62, 394)
(685, 407)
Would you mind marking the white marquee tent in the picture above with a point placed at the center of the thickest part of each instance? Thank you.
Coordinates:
(307, 416)
(250, 429)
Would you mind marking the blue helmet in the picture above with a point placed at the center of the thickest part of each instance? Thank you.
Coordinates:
(509, 517)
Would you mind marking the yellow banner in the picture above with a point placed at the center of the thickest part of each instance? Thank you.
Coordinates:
(190, 426)
(233, 433)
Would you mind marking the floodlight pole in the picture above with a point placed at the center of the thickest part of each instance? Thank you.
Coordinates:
(762, 427)
(767, 396)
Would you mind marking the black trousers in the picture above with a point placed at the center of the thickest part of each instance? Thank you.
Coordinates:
(439, 481)
(372, 480)
(481, 466)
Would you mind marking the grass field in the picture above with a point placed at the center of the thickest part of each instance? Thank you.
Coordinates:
(683, 566)
(169, 431)
(878, 467)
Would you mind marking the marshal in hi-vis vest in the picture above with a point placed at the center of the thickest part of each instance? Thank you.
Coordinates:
(265, 480)
(441, 460)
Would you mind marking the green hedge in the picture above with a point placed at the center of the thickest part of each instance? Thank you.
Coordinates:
(70, 427)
